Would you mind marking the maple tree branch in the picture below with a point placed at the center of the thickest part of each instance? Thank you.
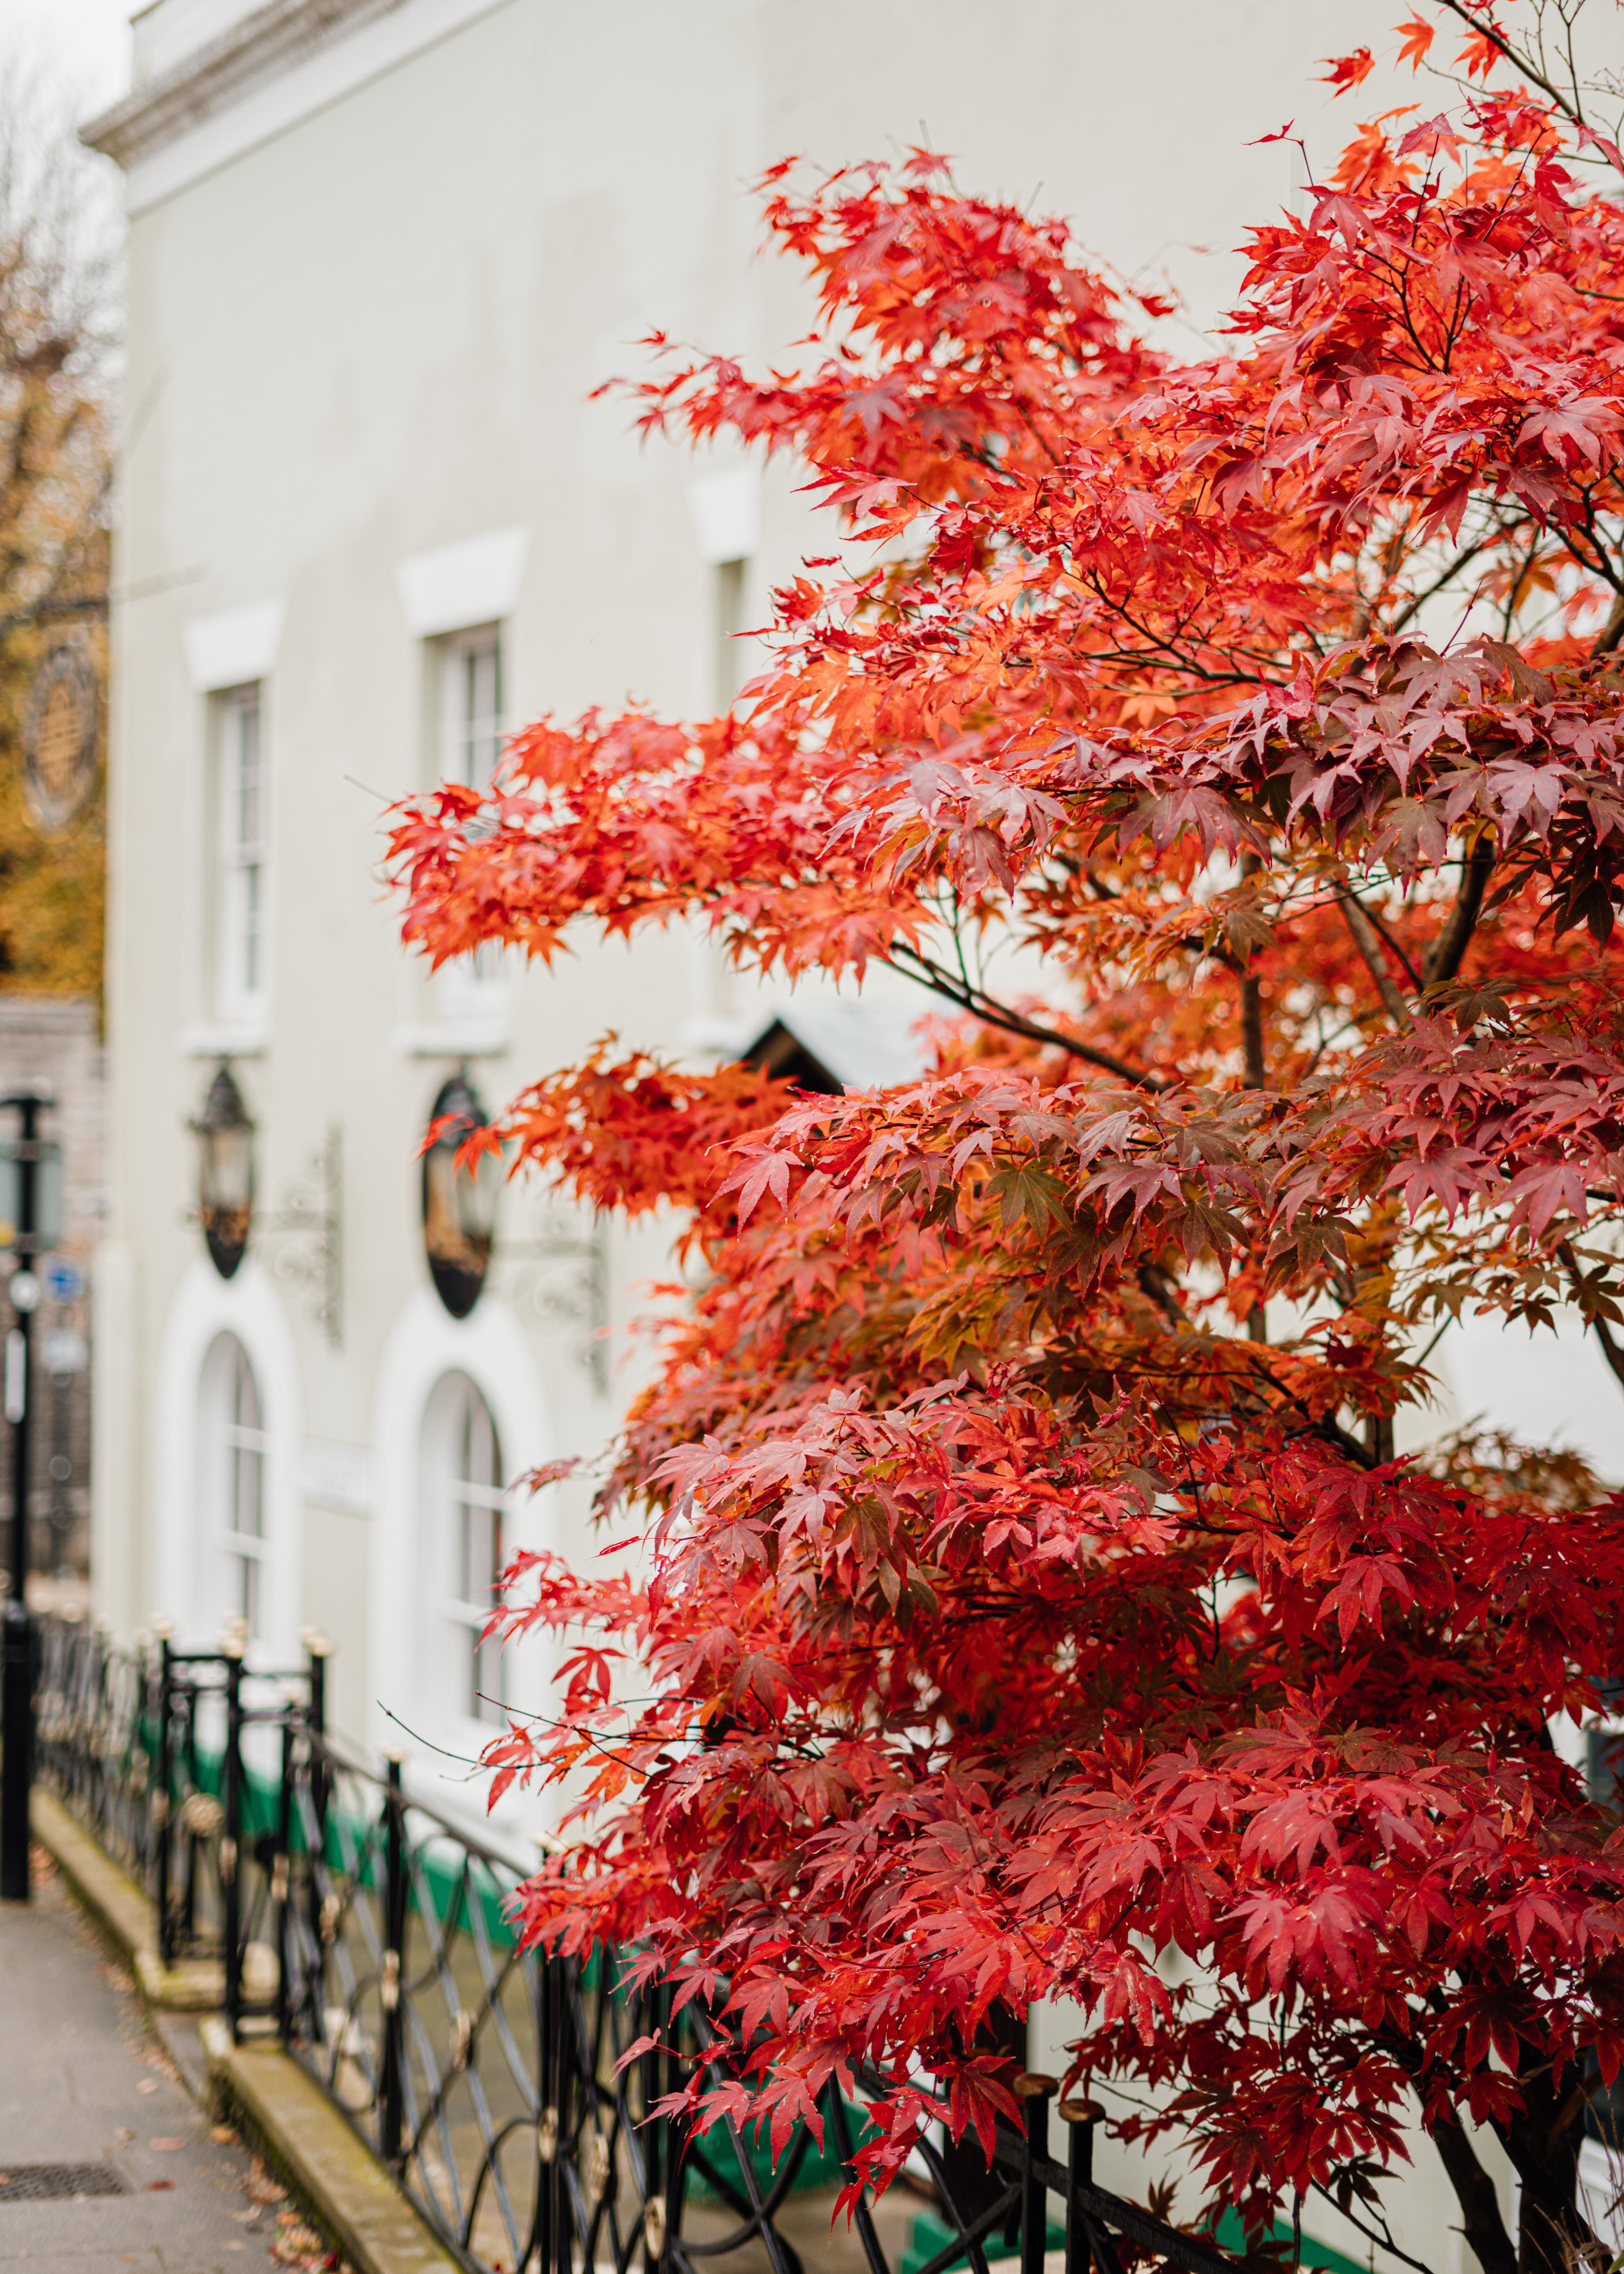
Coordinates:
(1522, 62)
(1445, 956)
(1256, 1072)
(1395, 947)
(1597, 560)
(1611, 1348)
(966, 997)
(1612, 631)
(1251, 1013)
(1382, 2237)
(1327, 1428)
(1251, 1030)
(1412, 608)
(1369, 945)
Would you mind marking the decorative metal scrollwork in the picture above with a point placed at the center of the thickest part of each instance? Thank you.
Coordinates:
(562, 1276)
(311, 1222)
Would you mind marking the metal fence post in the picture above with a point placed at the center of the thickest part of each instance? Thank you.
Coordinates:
(657, 2132)
(230, 1837)
(679, 2132)
(1034, 2093)
(395, 1938)
(1080, 2118)
(549, 2005)
(318, 1649)
(158, 1814)
(279, 1874)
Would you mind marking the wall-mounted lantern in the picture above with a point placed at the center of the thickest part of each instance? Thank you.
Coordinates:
(459, 1209)
(225, 1139)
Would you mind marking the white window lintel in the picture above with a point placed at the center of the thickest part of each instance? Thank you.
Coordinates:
(233, 647)
(476, 581)
(726, 508)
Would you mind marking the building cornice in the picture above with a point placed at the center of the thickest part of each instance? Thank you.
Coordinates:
(272, 41)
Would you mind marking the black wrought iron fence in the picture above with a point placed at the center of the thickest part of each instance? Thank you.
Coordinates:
(373, 1935)
(95, 1734)
(223, 1738)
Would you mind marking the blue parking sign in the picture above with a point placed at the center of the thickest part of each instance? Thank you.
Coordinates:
(64, 1282)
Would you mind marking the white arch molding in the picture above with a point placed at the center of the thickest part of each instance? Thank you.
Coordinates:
(425, 1345)
(204, 1306)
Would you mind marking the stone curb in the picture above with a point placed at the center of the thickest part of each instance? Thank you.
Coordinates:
(349, 2192)
(123, 1912)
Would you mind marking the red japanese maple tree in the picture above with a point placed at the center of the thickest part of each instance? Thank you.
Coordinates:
(1028, 1585)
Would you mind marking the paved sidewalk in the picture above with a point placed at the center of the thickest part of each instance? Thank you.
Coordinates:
(84, 2082)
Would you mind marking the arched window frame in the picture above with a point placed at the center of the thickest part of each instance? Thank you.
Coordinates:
(234, 1446)
(468, 1533)
(406, 1613)
(184, 1586)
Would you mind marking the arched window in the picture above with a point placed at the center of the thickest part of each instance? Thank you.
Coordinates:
(232, 1502)
(466, 1504)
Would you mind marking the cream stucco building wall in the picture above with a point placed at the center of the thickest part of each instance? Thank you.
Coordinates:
(381, 251)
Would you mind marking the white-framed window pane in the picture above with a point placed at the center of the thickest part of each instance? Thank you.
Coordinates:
(731, 658)
(233, 1481)
(470, 707)
(242, 806)
(470, 734)
(471, 1512)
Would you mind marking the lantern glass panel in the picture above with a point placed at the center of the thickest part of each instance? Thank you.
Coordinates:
(225, 1136)
(459, 1206)
(48, 1190)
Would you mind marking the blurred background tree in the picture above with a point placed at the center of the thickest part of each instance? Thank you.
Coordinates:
(60, 302)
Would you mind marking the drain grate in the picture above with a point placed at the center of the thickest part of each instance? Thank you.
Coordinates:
(58, 2182)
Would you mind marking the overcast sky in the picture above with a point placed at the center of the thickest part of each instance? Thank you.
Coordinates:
(86, 41)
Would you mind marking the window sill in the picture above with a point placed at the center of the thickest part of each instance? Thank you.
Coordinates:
(242, 1039)
(485, 1036)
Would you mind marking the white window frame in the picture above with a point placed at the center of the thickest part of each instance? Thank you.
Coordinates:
(467, 743)
(235, 1447)
(242, 895)
(734, 663)
(469, 740)
(470, 1521)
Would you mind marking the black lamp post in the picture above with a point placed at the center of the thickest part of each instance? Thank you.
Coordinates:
(225, 1139)
(31, 1198)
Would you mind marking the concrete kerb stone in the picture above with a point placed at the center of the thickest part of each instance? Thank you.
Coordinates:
(122, 1913)
(328, 2167)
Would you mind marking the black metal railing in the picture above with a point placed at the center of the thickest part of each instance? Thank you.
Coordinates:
(95, 1734)
(374, 1937)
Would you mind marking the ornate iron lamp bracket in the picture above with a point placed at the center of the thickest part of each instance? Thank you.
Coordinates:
(311, 1222)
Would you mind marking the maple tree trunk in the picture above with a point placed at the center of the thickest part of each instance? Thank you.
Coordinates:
(972, 2181)
(1480, 2218)
(1544, 2142)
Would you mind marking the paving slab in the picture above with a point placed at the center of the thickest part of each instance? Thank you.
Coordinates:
(84, 2081)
